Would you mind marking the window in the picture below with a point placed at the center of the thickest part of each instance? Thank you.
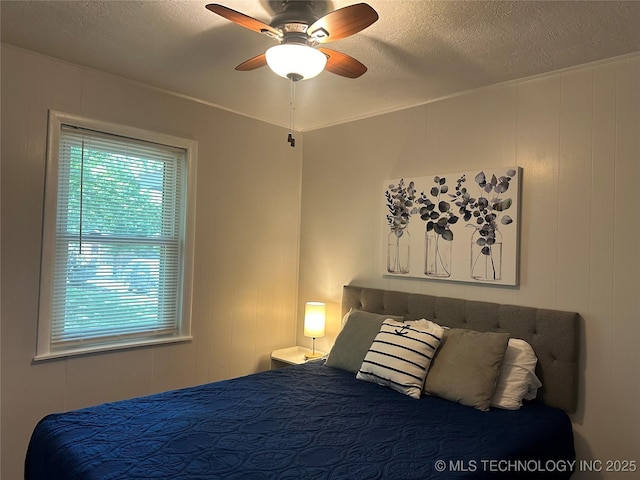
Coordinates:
(117, 240)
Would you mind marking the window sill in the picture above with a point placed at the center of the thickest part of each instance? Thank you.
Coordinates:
(109, 348)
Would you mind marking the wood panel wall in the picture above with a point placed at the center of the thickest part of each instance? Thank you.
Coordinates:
(576, 134)
(246, 252)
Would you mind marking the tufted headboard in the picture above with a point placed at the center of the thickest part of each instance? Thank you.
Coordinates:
(553, 334)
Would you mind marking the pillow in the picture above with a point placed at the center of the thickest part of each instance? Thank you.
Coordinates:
(517, 379)
(353, 341)
(466, 367)
(400, 355)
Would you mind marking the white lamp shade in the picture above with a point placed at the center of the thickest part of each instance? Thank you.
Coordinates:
(295, 59)
(314, 319)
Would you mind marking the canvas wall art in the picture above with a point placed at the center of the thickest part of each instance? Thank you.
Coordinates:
(455, 226)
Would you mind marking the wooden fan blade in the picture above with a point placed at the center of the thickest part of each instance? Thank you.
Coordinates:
(342, 64)
(342, 23)
(253, 63)
(244, 20)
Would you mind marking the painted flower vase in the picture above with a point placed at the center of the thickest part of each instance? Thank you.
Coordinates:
(437, 256)
(486, 254)
(398, 251)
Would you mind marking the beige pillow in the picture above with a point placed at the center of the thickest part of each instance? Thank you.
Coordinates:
(466, 367)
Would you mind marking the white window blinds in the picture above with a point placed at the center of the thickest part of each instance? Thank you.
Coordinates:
(118, 255)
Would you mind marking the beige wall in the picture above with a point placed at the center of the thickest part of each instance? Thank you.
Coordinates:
(576, 134)
(246, 245)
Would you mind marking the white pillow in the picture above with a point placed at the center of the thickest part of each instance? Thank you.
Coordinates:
(400, 355)
(517, 379)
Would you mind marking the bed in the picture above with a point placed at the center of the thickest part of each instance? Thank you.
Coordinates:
(316, 421)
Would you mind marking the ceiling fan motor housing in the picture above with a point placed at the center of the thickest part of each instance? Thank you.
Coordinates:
(300, 12)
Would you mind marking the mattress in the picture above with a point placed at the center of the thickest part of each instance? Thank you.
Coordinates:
(301, 422)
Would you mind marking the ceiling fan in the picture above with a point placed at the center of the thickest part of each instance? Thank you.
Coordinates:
(299, 32)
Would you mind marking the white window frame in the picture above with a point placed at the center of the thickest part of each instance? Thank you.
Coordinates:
(57, 119)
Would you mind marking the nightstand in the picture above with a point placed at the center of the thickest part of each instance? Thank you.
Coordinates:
(289, 356)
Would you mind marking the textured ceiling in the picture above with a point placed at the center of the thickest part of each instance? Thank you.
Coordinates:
(416, 52)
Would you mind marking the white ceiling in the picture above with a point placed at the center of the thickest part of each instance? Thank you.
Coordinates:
(417, 51)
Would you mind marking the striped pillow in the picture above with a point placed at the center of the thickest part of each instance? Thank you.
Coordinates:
(400, 355)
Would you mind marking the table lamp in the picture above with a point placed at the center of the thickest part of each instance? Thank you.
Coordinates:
(314, 315)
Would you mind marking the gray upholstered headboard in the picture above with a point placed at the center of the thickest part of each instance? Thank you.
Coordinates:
(552, 334)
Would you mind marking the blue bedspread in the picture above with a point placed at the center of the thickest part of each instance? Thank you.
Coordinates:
(301, 422)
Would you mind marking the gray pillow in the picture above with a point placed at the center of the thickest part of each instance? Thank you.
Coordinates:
(353, 342)
(466, 366)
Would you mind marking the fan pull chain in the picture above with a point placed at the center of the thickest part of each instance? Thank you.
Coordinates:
(292, 111)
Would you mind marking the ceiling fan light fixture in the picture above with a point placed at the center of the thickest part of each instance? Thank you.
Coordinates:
(296, 61)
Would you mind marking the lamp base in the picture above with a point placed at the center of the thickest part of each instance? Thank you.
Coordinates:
(310, 355)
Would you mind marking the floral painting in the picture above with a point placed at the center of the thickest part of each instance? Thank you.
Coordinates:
(456, 226)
